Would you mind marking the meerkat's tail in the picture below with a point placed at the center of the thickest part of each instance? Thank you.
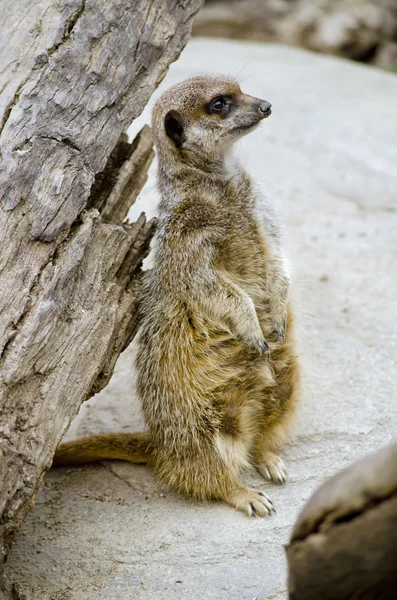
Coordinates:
(132, 447)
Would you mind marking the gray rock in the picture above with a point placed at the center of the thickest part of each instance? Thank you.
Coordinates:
(328, 159)
(343, 543)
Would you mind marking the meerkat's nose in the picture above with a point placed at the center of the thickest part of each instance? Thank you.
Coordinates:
(265, 108)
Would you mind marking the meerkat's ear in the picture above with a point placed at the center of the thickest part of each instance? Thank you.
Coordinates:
(173, 126)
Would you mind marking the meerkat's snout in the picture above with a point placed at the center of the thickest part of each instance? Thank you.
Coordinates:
(265, 108)
(255, 108)
(248, 114)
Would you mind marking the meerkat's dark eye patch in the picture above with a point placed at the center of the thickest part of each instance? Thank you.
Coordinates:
(220, 105)
(173, 126)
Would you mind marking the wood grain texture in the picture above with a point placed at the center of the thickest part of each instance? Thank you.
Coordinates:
(73, 75)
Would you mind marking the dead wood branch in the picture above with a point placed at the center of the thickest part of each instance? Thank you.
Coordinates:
(73, 74)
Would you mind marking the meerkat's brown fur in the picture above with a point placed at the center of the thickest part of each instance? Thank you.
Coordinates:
(216, 367)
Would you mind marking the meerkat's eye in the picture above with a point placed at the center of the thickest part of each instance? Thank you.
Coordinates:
(219, 105)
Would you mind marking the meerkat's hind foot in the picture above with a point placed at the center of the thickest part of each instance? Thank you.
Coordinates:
(252, 502)
(272, 468)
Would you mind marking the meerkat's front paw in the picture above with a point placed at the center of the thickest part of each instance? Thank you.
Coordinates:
(279, 328)
(272, 468)
(258, 341)
(252, 503)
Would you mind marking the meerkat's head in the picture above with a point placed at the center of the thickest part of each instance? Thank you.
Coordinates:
(204, 115)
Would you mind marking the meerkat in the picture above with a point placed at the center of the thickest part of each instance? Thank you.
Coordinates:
(217, 372)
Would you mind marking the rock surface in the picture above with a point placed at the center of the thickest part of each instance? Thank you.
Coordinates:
(328, 159)
(344, 540)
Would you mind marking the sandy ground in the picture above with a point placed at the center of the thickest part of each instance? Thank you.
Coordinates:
(328, 158)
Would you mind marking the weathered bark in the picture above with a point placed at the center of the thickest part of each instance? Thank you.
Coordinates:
(73, 74)
(344, 543)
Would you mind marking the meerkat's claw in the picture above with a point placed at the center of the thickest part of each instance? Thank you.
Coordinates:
(263, 348)
(279, 328)
(272, 468)
(259, 343)
(253, 503)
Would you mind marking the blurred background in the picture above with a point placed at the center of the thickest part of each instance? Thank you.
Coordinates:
(362, 30)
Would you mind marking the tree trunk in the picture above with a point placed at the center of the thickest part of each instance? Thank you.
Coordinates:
(73, 74)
